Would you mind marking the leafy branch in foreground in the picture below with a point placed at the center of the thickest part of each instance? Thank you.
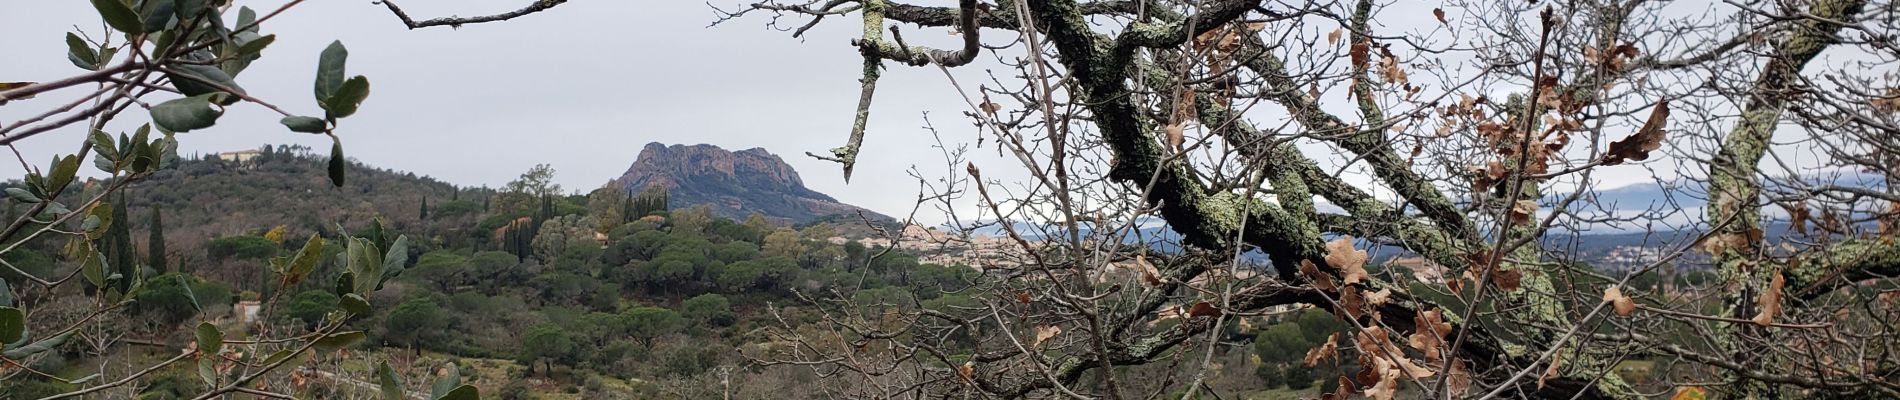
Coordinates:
(188, 54)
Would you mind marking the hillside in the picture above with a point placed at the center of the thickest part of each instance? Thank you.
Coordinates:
(733, 184)
(206, 197)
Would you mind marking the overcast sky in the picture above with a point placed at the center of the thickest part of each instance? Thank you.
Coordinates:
(583, 87)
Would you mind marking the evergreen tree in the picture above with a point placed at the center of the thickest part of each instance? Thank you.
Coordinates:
(155, 244)
(118, 245)
(424, 214)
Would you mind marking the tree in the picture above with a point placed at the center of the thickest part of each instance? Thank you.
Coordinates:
(782, 243)
(311, 305)
(1297, 131)
(648, 323)
(155, 243)
(548, 343)
(522, 195)
(710, 310)
(416, 322)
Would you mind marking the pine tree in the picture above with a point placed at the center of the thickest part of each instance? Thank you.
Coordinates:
(155, 245)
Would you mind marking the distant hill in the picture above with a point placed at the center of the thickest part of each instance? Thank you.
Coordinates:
(250, 192)
(733, 184)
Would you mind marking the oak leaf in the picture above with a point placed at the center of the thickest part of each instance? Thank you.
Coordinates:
(1646, 139)
(1623, 304)
(1350, 262)
(1320, 279)
(1044, 333)
(1770, 301)
(1324, 351)
(1149, 274)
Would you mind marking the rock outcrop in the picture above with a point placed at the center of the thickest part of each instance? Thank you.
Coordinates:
(732, 184)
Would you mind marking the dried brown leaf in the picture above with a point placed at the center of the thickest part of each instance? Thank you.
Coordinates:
(1507, 279)
(1176, 135)
(1379, 298)
(1351, 303)
(1769, 301)
(1350, 262)
(1149, 274)
(1044, 333)
(1439, 13)
(1623, 304)
(1556, 361)
(1203, 309)
(1333, 38)
(1648, 138)
(1324, 351)
(1320, 279)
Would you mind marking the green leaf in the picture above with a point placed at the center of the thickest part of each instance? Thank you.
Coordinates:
(102, 144)
(347, 98)
(64, 169)
(165, 149)
(186, 114)
(299, 123)
(447, 380)
(6, 297)
(208, 370)
(12, 324)
(189, 8)
(464, 392)
(82, 380)
(210, 339)
(119, 16)
(330, 70)
(395, 258)
(22, 195)
(246, 16)
(37, 347)
(254, 46)
(94, 269)
(336, 163)
(278, 356)
(305, 260)
(339, 340)
(391, 387)
(364, 262)
(344, 282)
(81, 53)
(203, 73)
(354, 304)
(159, 15)
(102, 213)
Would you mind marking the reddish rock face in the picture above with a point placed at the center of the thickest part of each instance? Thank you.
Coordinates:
(733, 184)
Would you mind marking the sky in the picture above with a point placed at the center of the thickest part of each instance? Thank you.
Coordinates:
(583, 87)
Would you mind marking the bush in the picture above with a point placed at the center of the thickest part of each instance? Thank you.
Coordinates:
(1299, 377)
(244, 247)
(311, 305)
(169, 297)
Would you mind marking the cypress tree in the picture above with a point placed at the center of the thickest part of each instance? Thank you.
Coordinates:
(424, 215)
(118, 249)
(155, 244)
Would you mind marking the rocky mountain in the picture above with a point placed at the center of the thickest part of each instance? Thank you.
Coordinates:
(733, 183)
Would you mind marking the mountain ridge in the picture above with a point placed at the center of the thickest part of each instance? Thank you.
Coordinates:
(734, 184)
